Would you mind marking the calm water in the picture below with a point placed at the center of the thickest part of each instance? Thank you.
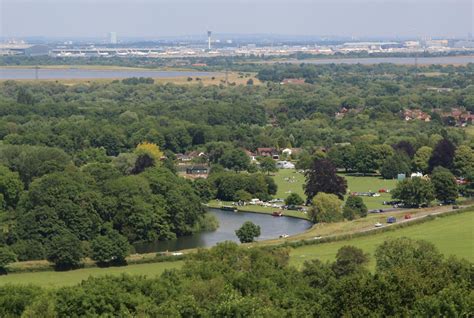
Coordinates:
(75, 73)
(454, 60)
(271, 227)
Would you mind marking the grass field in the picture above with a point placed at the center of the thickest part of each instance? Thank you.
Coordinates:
(289, 180)
(452, 235)
(56, 279)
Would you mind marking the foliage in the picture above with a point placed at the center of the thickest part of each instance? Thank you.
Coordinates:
(110, 248)
(229, 184)
(414, 192)
(445, 186)
(326, 208)
(248, 232)
(356, 204)
(6, 257)
(464, 161)
(443, 155)
(421, 159)
(396, 164)
(10, 187)
(294, 199)
(65, 251)
(411, 279)
(268, 165)
(235, 159)
(349, 260)
(322, 177)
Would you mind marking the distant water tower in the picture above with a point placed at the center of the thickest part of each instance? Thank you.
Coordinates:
(209, 33)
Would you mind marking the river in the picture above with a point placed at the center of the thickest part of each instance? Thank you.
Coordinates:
(271, 227)
(81, 73)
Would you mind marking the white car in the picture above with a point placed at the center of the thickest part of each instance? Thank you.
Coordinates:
(378, 224)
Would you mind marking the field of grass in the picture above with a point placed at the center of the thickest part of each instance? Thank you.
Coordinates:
(289, 180)
(215, 79)
(57, 279)
(452, 235)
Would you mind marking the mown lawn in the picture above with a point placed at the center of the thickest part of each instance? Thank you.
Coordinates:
(57, 279)
(289, 180)
(452, 235)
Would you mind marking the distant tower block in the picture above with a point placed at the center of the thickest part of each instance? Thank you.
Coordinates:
(209, 33)
(113, 37)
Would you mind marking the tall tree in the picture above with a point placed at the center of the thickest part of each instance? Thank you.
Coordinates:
(406, 147)
(421, 159)
(268, 165)
(445, 186)
(235, 159)
(357, 205)
(326, 208)
(443, 155)
(464, 161)
(392, 166)
(414, 192)
(322, 177)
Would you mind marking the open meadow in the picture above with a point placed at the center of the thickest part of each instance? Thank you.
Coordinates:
(452, 235)
(57, 279)
(291, 181)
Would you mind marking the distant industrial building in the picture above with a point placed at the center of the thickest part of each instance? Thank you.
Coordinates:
(24, 49)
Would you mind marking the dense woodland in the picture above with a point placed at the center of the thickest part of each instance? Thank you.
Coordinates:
(411, 279)
(95, 163)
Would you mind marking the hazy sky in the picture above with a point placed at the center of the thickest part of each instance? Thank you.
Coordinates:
(94, 18)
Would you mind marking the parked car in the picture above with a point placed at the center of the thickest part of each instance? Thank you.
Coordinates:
(407, 216)
(378, 224)
(391, 219)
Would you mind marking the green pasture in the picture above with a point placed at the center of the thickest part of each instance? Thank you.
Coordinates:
(289, 180)
(452, 235)
(58, 279)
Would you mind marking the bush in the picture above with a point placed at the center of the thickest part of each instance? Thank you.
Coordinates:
(294, 199)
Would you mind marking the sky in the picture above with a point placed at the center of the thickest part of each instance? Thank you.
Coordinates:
(159, 18)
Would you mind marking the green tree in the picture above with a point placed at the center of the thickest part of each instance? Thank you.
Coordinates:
(268, 165)
(326, 207)
(110, 248)
(294, 199)
(248, 232)
(414, 192)
(235, 159)
(464, 161)
(6, 257)
(407, 253)
(392, 166)
(242, 195)
(421, 159)
(349, 260)
(10, 187)
(445, 186)
(65, 251)
(357, 205)
(204, 189)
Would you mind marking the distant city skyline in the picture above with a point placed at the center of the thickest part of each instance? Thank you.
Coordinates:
(165, 18)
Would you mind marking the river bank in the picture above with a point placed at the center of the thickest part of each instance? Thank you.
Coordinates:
(317, 234)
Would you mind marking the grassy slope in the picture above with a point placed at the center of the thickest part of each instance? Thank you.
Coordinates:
(295, 181)
(452, 235)
(56, 279)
